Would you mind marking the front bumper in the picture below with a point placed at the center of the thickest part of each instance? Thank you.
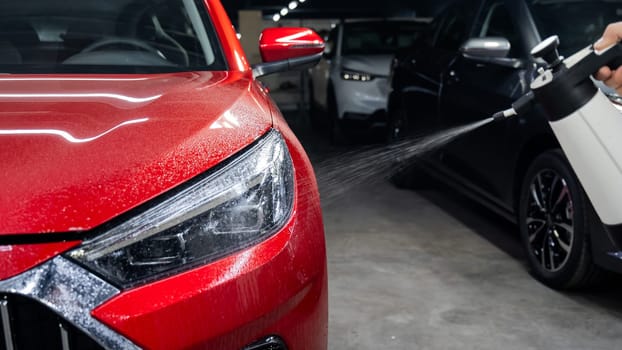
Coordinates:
(356, 98)
(362, 122)
(275, 288)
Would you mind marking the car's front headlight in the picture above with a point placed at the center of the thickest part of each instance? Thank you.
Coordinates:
(348, 74)
(233, 207)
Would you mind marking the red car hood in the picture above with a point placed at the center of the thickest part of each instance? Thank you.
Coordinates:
(77, 151)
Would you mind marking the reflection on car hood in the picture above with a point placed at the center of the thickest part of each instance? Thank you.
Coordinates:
(78, 151)
(378, 65)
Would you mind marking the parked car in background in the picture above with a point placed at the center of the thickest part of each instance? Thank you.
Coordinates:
(350, 84)
(152, 194)
(473, 61)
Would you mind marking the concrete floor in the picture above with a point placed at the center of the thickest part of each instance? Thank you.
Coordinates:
(429, 269)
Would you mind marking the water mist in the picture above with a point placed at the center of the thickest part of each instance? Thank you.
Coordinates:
(342, 172)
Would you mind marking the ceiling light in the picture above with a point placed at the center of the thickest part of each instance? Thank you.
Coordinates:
(284, 11)
(276, 17)
(292, 5)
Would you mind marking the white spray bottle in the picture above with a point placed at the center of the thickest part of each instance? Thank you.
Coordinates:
(585, 122)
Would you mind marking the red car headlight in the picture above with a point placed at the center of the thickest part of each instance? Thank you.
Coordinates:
(235, 206)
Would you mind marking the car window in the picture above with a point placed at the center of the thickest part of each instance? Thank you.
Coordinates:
(111, 36)
(379, 37)
(577, 23)
(497, 22)
(429, 33)
(455, 26)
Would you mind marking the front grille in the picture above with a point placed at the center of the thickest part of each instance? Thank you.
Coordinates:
(270, 343)
(26, 324)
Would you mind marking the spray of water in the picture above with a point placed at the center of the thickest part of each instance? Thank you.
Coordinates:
(341, 173)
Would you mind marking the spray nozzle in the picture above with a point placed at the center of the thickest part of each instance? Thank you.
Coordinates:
(547, 50)
(522, 105)
(504, 114)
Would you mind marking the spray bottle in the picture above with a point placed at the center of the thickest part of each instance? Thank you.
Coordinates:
(586, 124)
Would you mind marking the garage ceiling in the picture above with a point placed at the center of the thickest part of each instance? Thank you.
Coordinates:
(340, 8)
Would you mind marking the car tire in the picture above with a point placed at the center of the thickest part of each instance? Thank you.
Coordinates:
(397, 124)
(555, 224)
(335, 132)
(314, 112)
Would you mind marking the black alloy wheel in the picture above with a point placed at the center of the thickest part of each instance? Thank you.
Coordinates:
(550, 220)
(555, 223)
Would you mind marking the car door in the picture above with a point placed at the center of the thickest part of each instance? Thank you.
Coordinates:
(472, 90)
(417, 74)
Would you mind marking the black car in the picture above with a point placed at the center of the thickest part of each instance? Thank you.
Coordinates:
(474, 61)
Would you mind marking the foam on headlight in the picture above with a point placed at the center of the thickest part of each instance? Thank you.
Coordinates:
(230, 209)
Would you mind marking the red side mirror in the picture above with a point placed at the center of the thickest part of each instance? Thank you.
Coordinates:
(279, 44)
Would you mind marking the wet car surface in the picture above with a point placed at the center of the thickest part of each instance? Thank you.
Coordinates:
(153, 195)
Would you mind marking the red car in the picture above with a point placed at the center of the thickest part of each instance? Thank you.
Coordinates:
(151, 194)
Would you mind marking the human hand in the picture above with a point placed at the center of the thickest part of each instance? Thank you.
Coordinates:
(611, 78)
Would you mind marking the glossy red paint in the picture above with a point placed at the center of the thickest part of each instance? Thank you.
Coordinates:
(80, 150)
(21, 257)
(94, 147)
(277, 44)
(277, 287)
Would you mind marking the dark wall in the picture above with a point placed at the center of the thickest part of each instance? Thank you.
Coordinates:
(341, 8)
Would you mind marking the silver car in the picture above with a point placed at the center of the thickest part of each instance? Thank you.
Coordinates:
(351, 82)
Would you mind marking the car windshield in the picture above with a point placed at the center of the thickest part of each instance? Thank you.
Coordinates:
(106, 36)
(379, 37)
(577, 23)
